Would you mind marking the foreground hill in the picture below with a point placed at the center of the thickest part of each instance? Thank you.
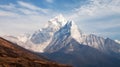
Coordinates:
(12, 55)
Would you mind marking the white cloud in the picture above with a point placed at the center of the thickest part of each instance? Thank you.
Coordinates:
(27, 5)
(28, 12)
(22, 24)
(50, 1)
(86, 17)
(25, 18)
(32, 7)
(96, 9)
(7, 13)
(8, 7)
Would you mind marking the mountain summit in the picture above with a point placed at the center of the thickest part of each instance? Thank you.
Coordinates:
(45, 34)
(41, 38)
(61, 40)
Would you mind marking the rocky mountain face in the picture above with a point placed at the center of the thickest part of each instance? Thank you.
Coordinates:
(92, 52)
(12, 55)
(70, 29)
(59, 37)
(63, 41)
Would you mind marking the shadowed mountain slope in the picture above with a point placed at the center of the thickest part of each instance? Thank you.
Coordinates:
(12, 55)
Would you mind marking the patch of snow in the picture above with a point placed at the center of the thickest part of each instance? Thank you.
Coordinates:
(117, 41)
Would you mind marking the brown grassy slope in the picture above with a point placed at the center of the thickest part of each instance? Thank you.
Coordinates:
(12, 55)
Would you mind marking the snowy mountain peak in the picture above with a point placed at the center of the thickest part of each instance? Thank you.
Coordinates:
(117, 41)
(76, 33)
(56, 22)
(64, 31)
(69, 24)
(23, 37)
(60, 31)
(59, 18)
(60, 36)
(45, 34)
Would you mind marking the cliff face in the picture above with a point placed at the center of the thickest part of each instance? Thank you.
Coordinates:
(12, 55)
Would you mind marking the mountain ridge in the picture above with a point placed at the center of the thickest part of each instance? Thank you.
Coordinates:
(12, 55)
(63, 37)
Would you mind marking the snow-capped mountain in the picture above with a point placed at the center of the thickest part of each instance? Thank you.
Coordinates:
(59, 37)
(40, 39)
(21, 40)
(63, 37)
(11, 38)
(43, 38)
(100, 43)
(70, 30)
(65, 48)
(117, 41)
(45, 34)
(93, 41)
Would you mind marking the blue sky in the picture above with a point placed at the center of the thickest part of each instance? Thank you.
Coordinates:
(100, 17)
